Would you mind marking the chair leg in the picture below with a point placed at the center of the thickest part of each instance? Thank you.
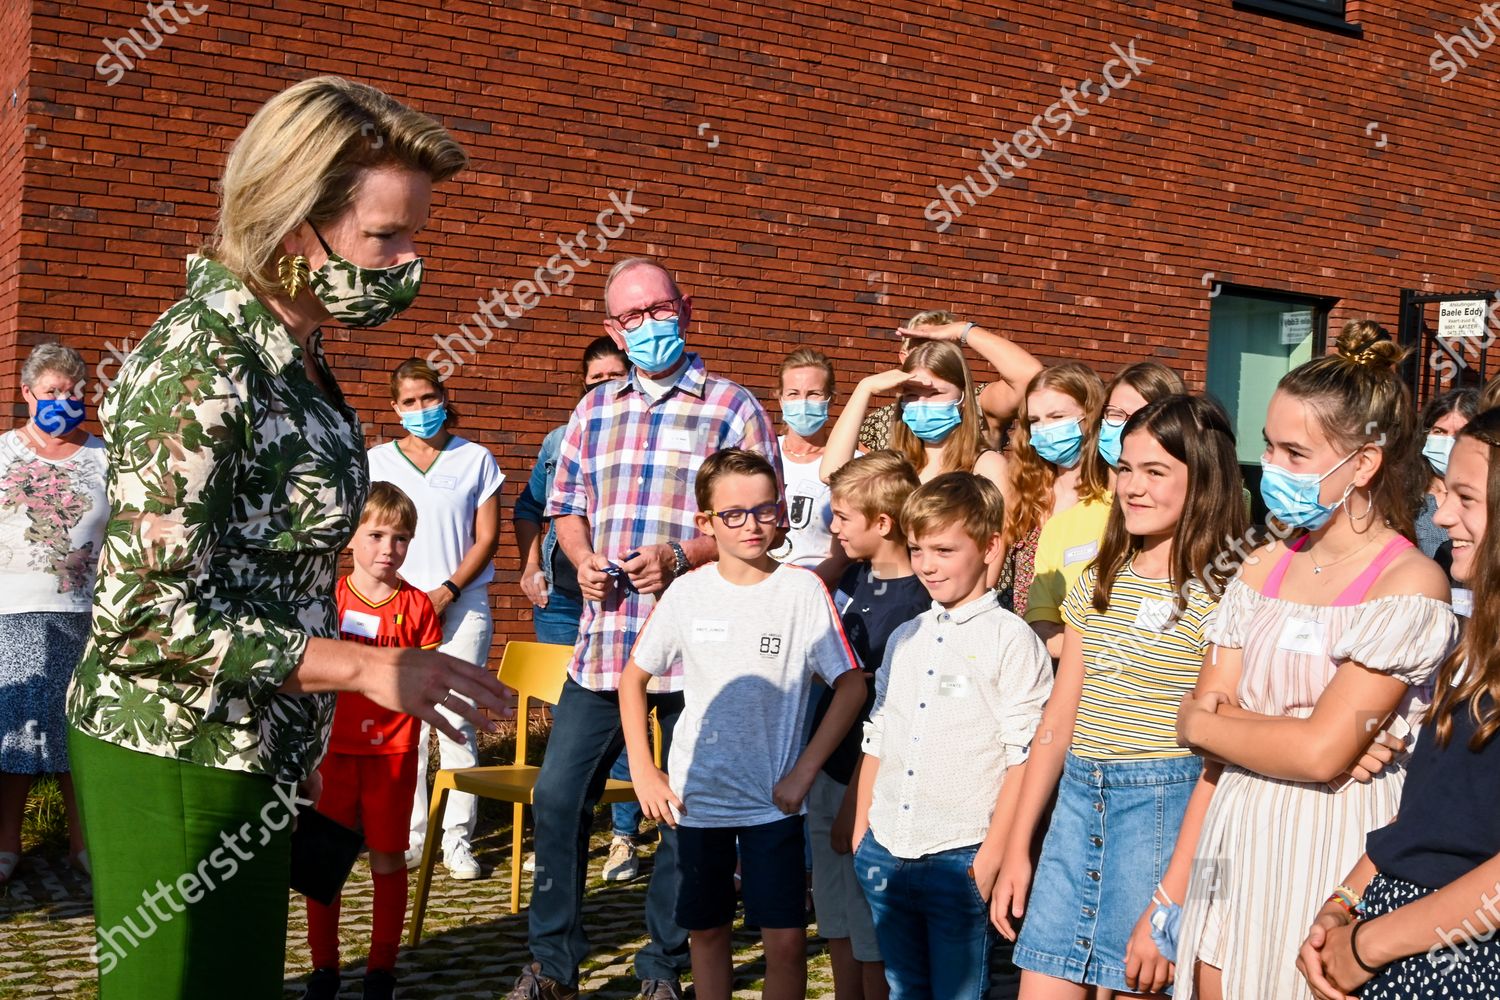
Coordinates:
(518, 816)
(440, 788)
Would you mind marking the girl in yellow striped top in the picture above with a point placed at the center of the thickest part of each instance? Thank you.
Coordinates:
(1133, 643)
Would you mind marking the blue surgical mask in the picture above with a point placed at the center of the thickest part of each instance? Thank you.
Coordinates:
(58, 416)
(655, 345)
(931, 421)
(805, 416)
(1437, 450)
(425, 423)
(1060, 443)
(1292, 497)
(1110, 434)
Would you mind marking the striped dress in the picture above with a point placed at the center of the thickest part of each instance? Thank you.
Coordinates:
(1271, 850)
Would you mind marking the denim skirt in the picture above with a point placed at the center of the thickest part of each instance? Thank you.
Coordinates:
(1112, 834)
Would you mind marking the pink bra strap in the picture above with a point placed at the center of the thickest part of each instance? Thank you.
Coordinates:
(1356, 591)
(1273, 582)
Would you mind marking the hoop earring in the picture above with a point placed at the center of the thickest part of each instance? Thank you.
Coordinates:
(1369, 508)
(292, 272)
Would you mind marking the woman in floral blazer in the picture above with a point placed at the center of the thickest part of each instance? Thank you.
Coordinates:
(236, 475)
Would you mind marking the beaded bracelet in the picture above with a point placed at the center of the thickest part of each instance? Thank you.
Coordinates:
(1345, 897)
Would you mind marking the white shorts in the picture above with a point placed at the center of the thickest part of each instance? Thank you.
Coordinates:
(838, 900)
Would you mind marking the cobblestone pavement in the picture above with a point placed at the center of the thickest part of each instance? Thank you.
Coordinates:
(471, 945)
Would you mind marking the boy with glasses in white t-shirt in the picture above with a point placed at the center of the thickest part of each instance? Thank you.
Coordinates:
(750, 634)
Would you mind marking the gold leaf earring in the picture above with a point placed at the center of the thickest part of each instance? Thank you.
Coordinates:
(292, 272)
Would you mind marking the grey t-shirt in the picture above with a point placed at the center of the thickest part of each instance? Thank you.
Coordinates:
(748, 656)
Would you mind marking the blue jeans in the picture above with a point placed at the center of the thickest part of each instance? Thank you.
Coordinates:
(932, 925)
(585, 737)
(558, 623)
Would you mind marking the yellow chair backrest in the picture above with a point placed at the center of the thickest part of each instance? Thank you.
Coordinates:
(536, 670)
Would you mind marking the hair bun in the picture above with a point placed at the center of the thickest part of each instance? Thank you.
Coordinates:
(1366, 343)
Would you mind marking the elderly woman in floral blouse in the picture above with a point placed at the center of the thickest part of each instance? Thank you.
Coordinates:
(237, 471)
(52, 513)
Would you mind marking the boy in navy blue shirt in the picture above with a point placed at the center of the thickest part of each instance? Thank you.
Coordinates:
(878, 593)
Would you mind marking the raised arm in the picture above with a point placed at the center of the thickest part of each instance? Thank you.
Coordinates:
(1012, 362)
(844, 438)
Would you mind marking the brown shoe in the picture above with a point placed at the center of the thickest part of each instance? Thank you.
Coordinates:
(534, 986)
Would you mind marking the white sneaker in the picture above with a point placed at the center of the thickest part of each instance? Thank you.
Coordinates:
(459, 860)
(413, 857)
(529, 865)
(622, 865)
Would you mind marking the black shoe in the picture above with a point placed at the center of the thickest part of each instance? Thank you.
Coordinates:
(379, 985)
(661, 989)
(323, 984)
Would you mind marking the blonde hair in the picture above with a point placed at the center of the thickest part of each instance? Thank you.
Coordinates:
(389, 504)
(1033, 475)
(972, 501)
(807, 357)
(962, 448)
(875, 484)
(1359, 400)
(302, 157)
(927, 317)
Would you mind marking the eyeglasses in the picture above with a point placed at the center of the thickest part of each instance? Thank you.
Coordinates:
(734, 517)
(632, 318)
(1115, 415)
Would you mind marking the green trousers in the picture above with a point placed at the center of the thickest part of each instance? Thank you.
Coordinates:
(191, 867)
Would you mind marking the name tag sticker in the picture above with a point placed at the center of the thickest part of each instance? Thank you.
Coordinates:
(1463, 602)
(1154, 614)
(359, 623)
(1302, 635)
(953, 686)
(443, 482)
(1080, 553)
(708, 630)
(678, 439)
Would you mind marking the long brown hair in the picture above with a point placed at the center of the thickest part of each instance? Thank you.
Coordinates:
(962, 448)
(1196, 431)
(1480, 646)
(1034, 476)
(1359, 400)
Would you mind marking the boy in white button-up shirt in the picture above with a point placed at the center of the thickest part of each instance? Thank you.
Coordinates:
(957, 702)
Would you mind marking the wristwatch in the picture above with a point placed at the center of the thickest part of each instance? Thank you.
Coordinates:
(453, 589)
(963, 338)
(682, 565)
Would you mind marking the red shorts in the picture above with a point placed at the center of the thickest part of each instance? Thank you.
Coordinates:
(372, 792)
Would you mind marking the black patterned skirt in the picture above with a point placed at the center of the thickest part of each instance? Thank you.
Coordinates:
(1468, 969)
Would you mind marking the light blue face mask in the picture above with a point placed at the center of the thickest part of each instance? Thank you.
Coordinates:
(425, 423)
(1110, 435)
(805, 416)
(1060, 443)
(1292, 497)
(1437, 450)
(931, 421)
(655, 345)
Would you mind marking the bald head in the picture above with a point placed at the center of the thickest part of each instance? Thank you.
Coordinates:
(636, 282)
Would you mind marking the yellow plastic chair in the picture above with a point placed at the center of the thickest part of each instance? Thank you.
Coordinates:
(537, 671)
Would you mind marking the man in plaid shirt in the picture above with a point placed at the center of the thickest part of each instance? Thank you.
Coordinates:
(624, 504)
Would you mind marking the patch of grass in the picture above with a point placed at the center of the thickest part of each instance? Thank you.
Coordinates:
(45, 823)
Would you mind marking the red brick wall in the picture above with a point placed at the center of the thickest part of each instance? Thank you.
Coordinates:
(1243, 151)
(19, 139)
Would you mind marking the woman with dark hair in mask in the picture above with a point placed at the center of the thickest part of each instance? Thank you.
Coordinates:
(237, 474)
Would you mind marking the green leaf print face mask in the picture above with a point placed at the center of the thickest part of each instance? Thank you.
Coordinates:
(364, 296)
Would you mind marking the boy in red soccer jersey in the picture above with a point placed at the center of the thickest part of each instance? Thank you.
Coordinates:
(370, 772)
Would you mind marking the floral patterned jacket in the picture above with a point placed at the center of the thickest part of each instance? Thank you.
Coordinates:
(233, 483)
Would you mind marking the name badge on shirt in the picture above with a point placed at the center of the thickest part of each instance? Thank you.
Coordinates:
(1080, 553)
(1154, 613)
(953, 686)
(677, 439)
(359, 623)
(1463, 602)
(1302, 635)
(708, 630)
(443, 482)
